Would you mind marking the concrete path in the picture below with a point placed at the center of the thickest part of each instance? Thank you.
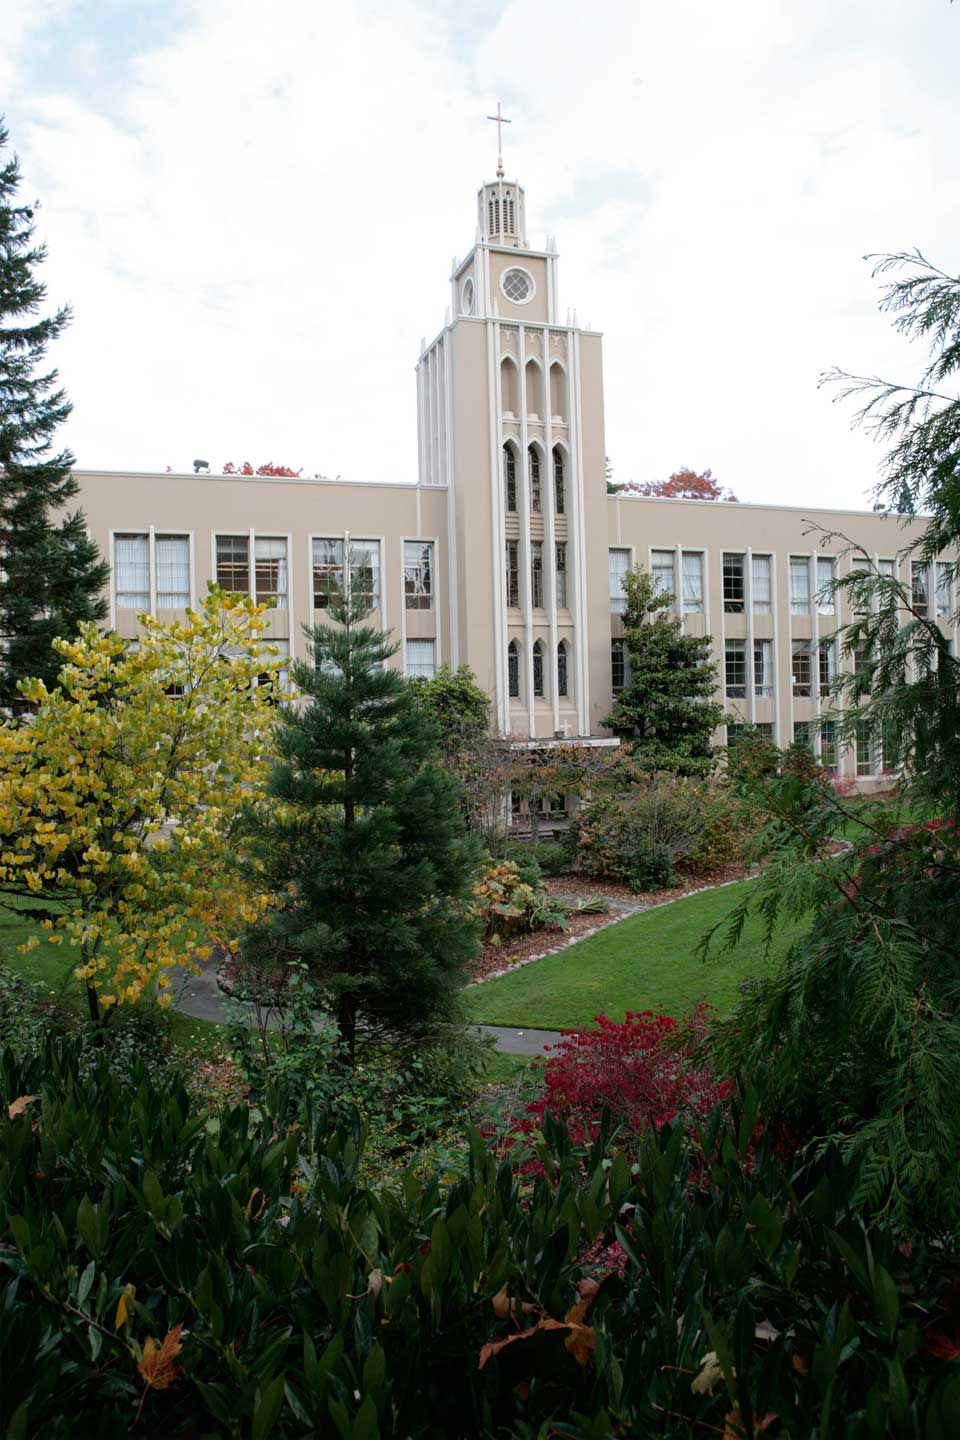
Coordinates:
(200, 997)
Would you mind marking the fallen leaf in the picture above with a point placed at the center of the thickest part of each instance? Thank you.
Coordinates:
(157, 1366)
(17, 1107)
(502, 1304)
(801, 1364)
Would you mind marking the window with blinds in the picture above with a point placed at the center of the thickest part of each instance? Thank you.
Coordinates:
(619, 565)
(799, 585)
(173, 571)
(663, 571)
(691, 569)
(761, 584)
(826, 601)
(131, 571)
(763, 669)
(421, 659)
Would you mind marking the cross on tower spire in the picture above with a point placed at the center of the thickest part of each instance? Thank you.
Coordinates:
(501, 120)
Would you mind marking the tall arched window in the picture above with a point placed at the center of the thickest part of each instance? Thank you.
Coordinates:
(538, 667)
(509, 387)
(534, 390)
(509, 480)
(563, 669)
(558, 491)
(513, 670)
(493, 210)
(533, 469)
(558, 392)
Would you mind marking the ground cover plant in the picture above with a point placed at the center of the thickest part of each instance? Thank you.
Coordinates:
(172, 1271)
(644, 961)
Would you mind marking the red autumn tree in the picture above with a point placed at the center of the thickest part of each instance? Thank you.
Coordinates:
(683, 484)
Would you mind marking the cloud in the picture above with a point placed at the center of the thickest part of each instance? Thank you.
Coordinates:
(253, 214)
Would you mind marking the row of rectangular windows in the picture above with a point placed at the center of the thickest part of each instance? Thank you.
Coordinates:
(663, 571)
(261, 569)
(871, 752)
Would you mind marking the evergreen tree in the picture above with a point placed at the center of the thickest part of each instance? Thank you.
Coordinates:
(362, 843)
(666, 713)
(51, 576)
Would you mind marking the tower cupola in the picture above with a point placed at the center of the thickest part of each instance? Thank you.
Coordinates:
(501, 218)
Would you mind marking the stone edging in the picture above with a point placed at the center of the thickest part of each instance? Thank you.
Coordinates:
(612, 920)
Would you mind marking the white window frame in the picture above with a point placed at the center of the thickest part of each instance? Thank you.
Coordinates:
(415, 640)
(151, 532)
(618, 603)
(509, 298)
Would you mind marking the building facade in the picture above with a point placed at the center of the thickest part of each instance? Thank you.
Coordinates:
(508, 553)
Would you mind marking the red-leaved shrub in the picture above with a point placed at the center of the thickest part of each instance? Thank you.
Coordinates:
(634, 1068)
(640, 1069)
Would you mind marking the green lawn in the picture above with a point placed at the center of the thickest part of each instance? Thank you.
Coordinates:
(636, 964)
(51, 967)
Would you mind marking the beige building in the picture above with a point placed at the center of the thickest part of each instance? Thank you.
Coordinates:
(508, 553)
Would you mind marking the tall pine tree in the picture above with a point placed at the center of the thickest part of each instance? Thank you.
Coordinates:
(362, 843)
(666, 714)
(51, 575)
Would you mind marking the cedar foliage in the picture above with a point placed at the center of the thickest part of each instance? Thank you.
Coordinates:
(858, 1030)
(52, 577)
(666, 713)
(361, 840)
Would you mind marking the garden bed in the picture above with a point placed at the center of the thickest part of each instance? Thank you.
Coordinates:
(576, 884)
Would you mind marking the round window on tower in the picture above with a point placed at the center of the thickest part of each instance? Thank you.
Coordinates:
(517, 285)
(466, 297)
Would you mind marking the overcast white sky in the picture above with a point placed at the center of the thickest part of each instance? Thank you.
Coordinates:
(252, 209)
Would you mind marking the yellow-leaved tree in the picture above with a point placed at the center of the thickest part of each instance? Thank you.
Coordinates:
(119, 800)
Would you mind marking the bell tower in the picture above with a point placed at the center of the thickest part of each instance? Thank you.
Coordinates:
(510, 409)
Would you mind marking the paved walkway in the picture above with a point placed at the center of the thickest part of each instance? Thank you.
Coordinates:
(200, 997)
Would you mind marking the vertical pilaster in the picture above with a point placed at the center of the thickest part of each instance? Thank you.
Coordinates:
(526, 587)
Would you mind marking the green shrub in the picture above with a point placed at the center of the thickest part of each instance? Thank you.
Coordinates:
(641, 835)
(552, 857)
(671, 1296)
